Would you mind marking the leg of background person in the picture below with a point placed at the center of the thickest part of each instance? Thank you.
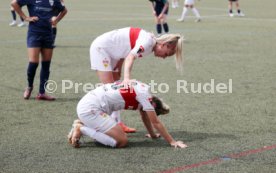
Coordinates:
(184, 13)
(237, 5)
(238, 9)
(165, 24)
(33, 54)
(158, 26)
(47, 54)
(13, 23)
(230, 7)
(196, 13)
(21, 24)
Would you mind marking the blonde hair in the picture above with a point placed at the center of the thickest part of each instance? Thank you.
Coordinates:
(176, 39)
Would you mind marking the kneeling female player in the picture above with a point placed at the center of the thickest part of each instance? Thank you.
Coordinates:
(95, 107)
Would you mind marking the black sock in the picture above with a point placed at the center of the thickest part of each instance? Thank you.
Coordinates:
(230, 11)
(44, 75)
(21, 19)
(166, 27)
(31, 73)
(159, 28)
(54, 33)
(239, 11)
(13, 14)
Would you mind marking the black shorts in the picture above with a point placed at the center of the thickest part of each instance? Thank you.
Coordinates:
(233, 0)
(158, 10)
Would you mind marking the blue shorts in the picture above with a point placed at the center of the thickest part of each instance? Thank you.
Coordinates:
(40, 40)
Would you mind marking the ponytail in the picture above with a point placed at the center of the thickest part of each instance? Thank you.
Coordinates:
(176, 39)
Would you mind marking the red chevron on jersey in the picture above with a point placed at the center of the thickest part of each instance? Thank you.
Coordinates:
(133, 36)
(129, 97)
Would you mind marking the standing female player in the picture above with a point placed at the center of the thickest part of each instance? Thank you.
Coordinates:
(189, 4)
(39, 39)
(160, 9)
(109, 51)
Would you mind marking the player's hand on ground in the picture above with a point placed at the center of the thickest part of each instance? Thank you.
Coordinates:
(157, 135)
(178, 144)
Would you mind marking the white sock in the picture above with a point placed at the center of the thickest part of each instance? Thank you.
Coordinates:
(196, 13)
(98, 136)
(116, 115)
(184, 13)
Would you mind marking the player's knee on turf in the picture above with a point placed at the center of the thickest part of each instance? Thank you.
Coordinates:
(122, 143)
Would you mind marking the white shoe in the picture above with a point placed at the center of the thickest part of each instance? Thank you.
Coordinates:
(180, 20)
(21, 24)
(198, 20)
(231, 14)
(241, 14)
(13, 23)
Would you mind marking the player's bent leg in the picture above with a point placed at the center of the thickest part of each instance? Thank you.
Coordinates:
(119, 135)
(98, 136)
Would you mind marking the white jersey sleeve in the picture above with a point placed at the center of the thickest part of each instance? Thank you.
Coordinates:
(144, 44)
(143, 96)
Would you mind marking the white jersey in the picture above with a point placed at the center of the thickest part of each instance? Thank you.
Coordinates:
(119, 43)
(107, 49)
(112, 97)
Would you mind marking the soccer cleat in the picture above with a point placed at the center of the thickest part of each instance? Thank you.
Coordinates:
(231, 14)
(198, 20)
(127, 129)
(180, 20)
(21, 24)
(75, 135)
(240, 14)
(45, 97)
(13, 23)
(27, 93)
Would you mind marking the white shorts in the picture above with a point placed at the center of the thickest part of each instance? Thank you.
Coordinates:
(100, 59)
(94, 117)
(189, 2)
(98, 121)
